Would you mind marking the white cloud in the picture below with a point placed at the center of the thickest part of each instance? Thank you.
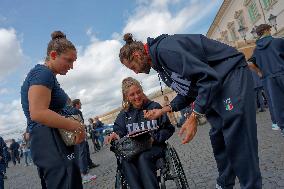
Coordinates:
(11, 55)
(12, 118)
(97, 75)
(153, 18)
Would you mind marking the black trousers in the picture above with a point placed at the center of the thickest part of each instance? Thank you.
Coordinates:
(2, 170)
(234, 131)
(141, 172)
(55, 161)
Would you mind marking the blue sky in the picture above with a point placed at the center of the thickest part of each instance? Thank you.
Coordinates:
(96, 28)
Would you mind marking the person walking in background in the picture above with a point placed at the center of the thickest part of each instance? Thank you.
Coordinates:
(258, 88)
(268, 59)
(94, 135)
(42, 101)
(99, 127)
(82, 150)
(14, 148)
(216, 78)
(26, 149)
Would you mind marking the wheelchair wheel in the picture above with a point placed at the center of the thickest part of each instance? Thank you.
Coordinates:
(162, 181)
(120, 182)
(176, 169)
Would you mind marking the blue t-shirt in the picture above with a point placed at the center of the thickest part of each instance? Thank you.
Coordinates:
(42, 75)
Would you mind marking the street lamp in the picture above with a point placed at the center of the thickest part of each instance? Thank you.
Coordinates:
(272, 21)
(242, 31)
(253, 32)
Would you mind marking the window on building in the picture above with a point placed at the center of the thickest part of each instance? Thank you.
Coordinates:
(252, 10)
(268, 3)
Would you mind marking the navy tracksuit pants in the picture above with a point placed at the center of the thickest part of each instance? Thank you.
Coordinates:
(275, 91)
(82, 157)
(55, 161)
(234, 131)
(259, 98)
(141, 172)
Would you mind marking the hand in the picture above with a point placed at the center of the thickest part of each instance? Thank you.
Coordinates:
(111, 137)
(80, 135)
(190, 129)
(153, 114)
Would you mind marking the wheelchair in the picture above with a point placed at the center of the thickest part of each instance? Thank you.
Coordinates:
(169, 167)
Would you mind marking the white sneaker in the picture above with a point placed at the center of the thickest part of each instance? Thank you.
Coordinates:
(88, 178)
(275, 127)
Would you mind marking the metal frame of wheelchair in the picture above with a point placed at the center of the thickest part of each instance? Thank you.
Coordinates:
(168, 168)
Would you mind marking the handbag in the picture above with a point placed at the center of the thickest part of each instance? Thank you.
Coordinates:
(130, 147)
(69, 136)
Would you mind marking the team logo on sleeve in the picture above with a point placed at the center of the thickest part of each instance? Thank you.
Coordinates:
(228, 104)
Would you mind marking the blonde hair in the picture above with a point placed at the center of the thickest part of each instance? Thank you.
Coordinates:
(126, 84)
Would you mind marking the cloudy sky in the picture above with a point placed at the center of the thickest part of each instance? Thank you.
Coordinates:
(96, 28)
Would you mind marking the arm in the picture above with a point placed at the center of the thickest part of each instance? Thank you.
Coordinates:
(119, 128)
(207, 79)
(39, 98)
(165, 130)
(253, 66)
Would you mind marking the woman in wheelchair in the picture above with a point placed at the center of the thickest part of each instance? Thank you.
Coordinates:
(140, 172)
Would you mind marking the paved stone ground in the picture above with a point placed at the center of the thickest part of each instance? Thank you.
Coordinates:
(196, 157)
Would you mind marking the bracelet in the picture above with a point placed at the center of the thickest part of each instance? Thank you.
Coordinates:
(200, 118)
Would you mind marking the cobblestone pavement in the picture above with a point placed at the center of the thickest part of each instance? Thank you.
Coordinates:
(196, 157)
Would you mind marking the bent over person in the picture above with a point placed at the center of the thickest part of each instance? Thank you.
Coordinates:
(216, 78)
(140, 172)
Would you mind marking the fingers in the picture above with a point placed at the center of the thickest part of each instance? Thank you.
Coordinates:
(183, 128)
(189, 136)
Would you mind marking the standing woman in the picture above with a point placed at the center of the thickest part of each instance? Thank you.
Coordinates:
(216, 78)
(42, 99)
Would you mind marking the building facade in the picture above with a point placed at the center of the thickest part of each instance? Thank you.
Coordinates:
(236, 20)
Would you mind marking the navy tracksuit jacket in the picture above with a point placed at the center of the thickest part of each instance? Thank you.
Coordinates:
(216, 77)
(258, 88)
(141, 172)
(268, 56)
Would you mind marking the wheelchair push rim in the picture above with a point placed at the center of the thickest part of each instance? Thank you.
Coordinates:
(178, 174)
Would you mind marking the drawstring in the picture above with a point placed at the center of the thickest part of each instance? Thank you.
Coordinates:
(160, 84)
